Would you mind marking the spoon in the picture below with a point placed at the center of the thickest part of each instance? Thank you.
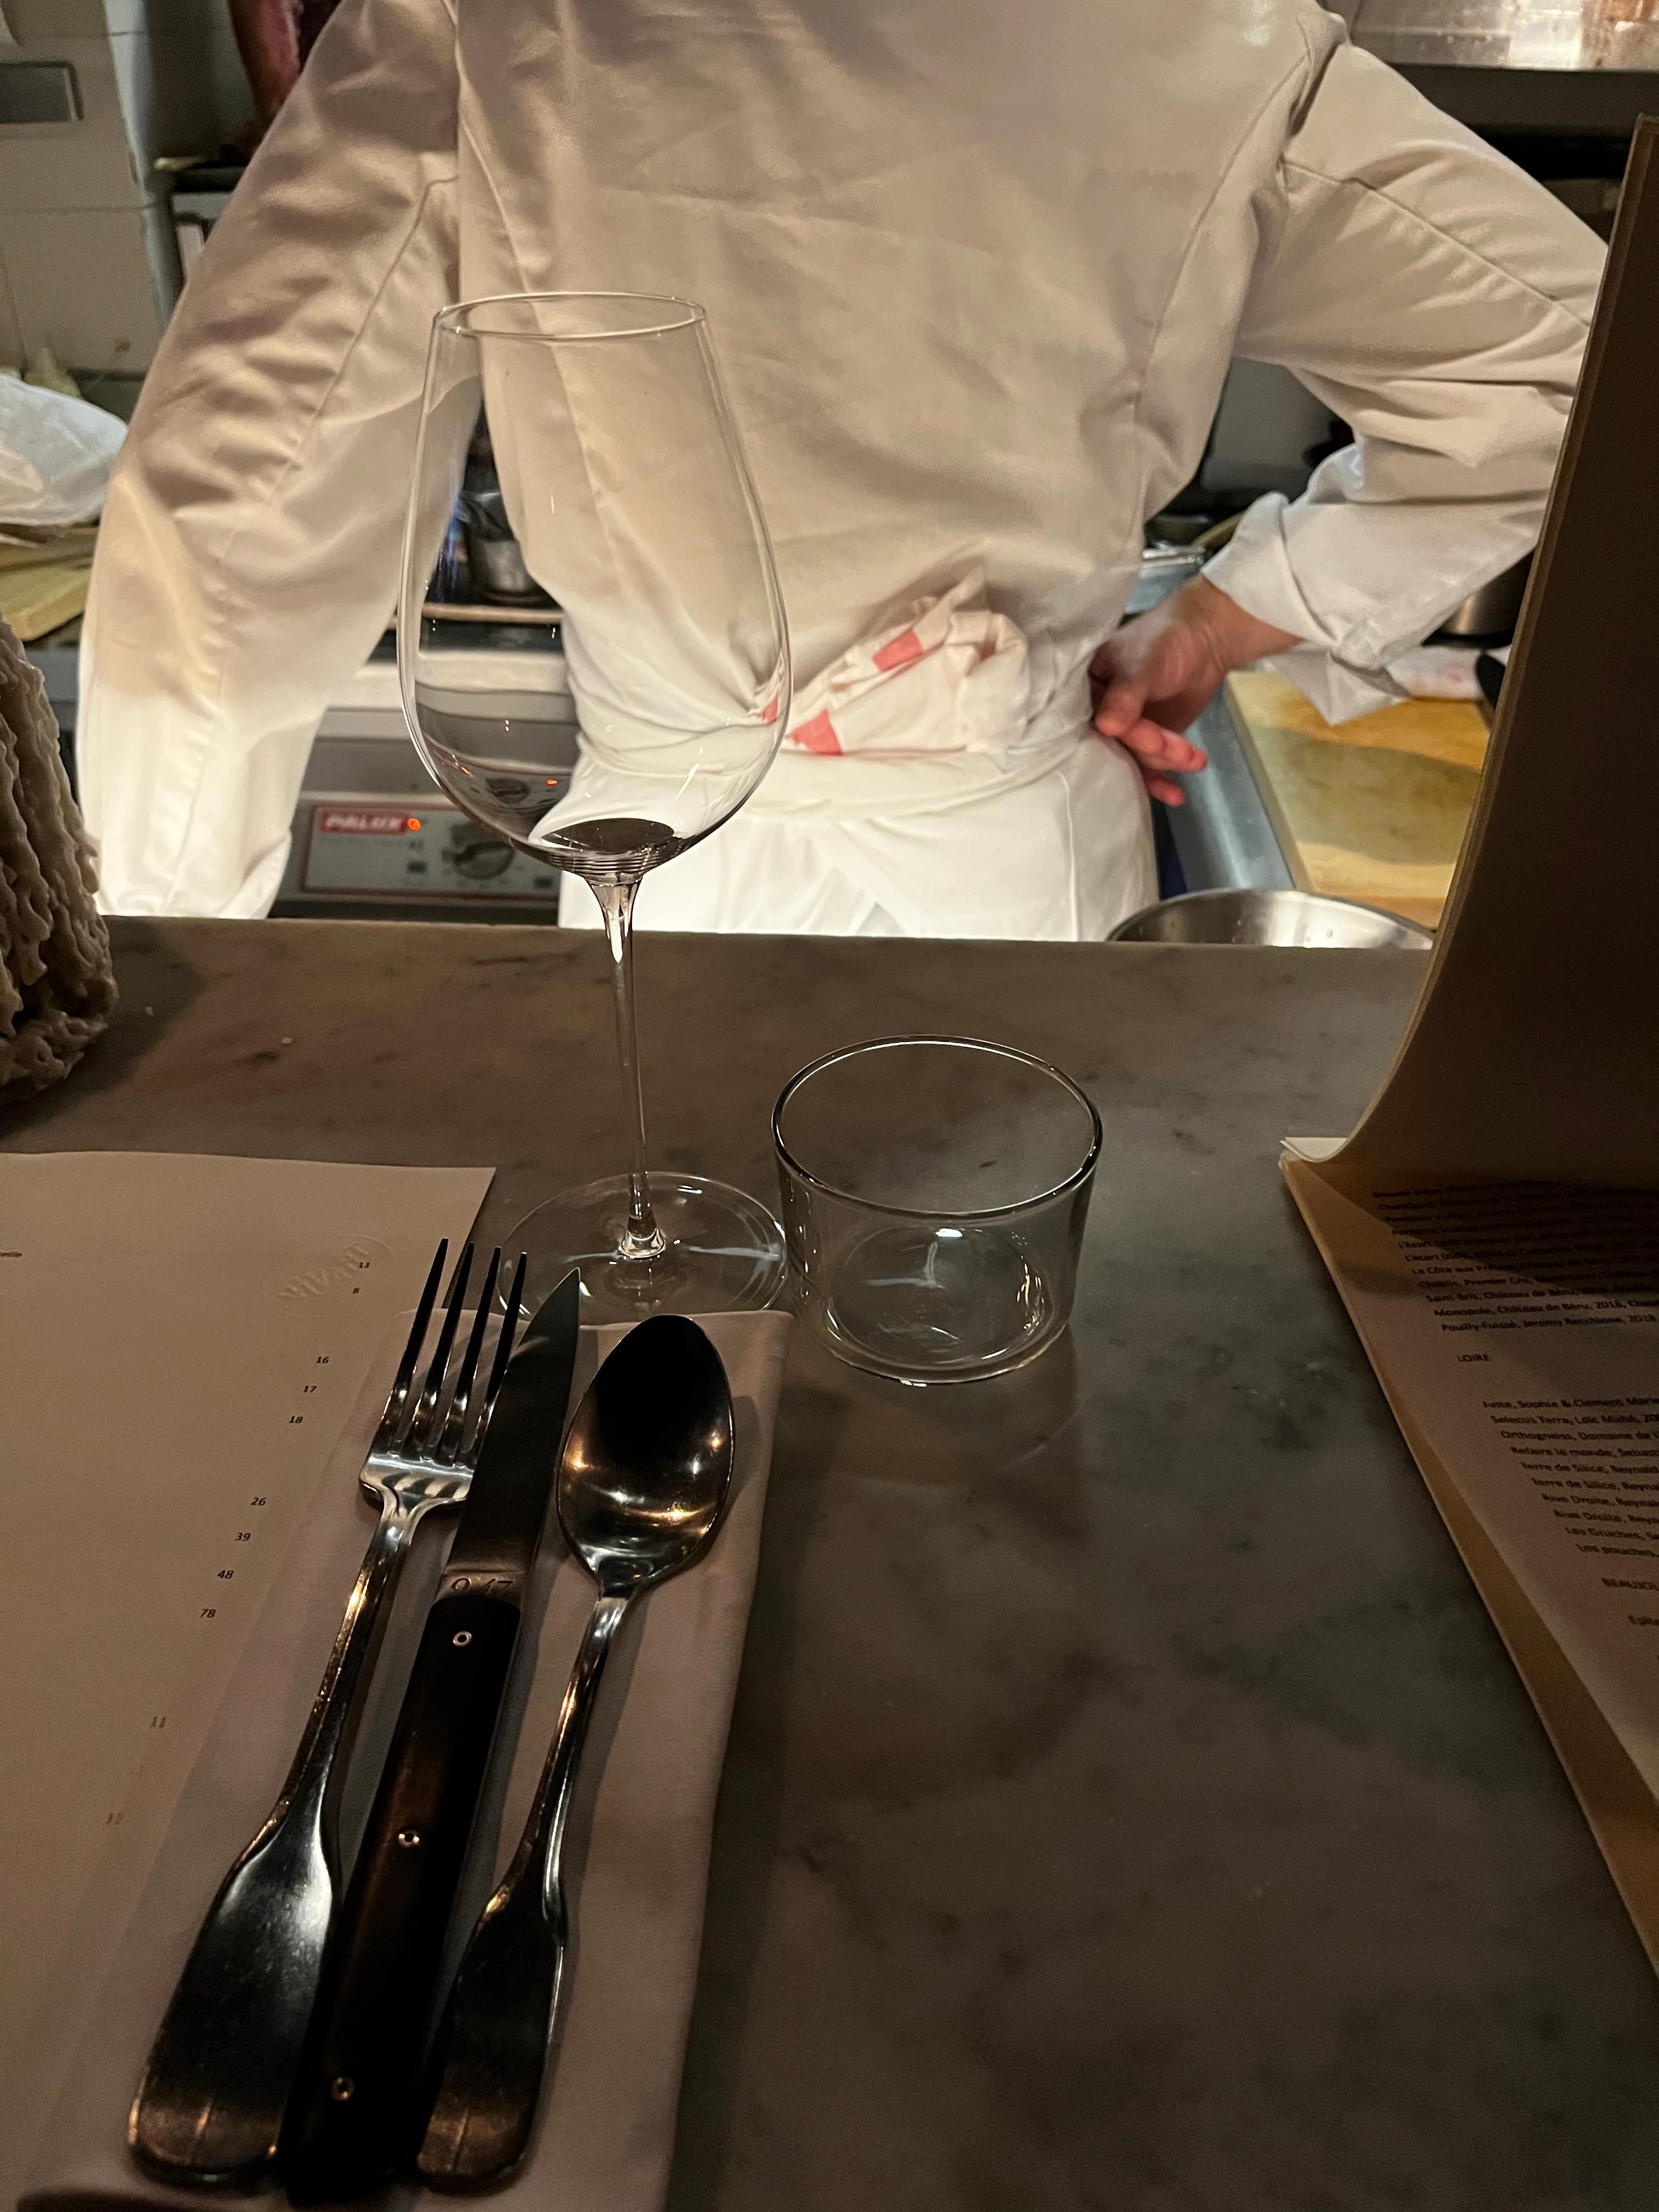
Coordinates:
(643, 1485)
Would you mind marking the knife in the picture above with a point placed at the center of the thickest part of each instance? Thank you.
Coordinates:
(348, 2115)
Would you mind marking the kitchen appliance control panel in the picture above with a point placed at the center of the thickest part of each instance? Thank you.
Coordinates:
(376, 847)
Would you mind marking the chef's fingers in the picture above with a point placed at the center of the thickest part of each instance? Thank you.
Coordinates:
(1142, 662)
(1123, 699)
(1156, 747)
(1159, 674)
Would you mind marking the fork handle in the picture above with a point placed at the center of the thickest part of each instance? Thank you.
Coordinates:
(348, 2120)
(209, 2106)
(310, 1775)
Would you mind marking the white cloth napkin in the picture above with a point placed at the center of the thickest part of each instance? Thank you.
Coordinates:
(639, 1864)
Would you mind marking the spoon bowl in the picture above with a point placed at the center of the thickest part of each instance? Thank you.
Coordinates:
(648, 1461)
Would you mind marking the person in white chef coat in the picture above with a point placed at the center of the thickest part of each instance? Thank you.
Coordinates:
(976, 278)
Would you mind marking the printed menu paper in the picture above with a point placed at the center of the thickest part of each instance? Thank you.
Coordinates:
(183, 1339)
(1494, 1222)
(1515, 1328)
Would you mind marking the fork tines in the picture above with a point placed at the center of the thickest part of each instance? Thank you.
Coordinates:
(435, 1424)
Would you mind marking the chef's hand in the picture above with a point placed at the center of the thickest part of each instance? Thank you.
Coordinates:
(1158, 673)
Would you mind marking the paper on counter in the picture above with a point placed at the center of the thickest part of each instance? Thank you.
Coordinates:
(1493, 1224)
(1515, 1328)
(183, 1340)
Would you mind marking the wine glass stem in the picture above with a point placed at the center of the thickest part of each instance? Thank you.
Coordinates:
(641, 1238)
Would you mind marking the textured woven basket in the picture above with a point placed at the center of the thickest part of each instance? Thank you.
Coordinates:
(57, 986)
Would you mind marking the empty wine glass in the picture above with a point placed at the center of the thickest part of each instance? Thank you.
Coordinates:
(624, 482)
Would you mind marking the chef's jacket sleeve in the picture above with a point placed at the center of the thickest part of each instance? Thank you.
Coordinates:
(1437, 300)
(247, 558)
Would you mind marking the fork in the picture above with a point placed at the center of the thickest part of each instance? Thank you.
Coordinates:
(208, 2106)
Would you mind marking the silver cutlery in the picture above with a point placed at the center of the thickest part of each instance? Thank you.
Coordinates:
(349, 2111)
(643, 1485)
(210, 2104)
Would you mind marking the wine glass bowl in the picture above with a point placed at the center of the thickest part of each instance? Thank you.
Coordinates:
(622, 477)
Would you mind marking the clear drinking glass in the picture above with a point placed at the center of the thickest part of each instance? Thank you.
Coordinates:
(934, 1196)
(624, 483)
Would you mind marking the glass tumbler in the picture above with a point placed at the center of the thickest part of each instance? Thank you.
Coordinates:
(934, 1194)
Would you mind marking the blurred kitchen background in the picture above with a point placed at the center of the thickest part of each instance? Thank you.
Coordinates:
(124, 127)
(95, 96)
(124, 122)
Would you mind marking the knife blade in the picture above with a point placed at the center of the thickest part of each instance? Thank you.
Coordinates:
(349, 2114)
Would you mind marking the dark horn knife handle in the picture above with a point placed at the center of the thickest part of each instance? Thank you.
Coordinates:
(349, 2115)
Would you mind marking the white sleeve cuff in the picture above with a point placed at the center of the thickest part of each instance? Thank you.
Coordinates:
(1364, 582)
(1256, 571)
(1253, 568)
(1340, 693)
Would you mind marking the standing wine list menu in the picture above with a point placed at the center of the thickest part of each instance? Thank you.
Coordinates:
(183, 1340)
(1493, 1224)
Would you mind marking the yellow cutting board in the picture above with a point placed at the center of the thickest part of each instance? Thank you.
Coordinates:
(1373, 810)
(42, 587)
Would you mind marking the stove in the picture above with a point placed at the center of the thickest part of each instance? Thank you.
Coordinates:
(374, 837)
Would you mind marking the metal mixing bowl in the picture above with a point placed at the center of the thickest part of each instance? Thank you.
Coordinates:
(1494, 610)
(1268, 918)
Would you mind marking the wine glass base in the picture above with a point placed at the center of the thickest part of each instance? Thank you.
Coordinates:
(723, 1251)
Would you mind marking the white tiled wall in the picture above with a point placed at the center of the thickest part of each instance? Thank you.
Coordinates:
(88, 164)
(87, 259)
(81, 282)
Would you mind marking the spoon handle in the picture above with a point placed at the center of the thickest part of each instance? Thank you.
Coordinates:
(490, 2052)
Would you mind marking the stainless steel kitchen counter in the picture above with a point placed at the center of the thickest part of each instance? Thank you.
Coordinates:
(1223, 834)
(1129, 1803)
(1518, 34)
(1533, 66)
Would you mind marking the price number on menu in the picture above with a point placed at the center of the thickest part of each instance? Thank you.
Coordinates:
(255, 1509)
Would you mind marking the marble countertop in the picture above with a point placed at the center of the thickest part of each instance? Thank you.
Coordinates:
(1129, 1803)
